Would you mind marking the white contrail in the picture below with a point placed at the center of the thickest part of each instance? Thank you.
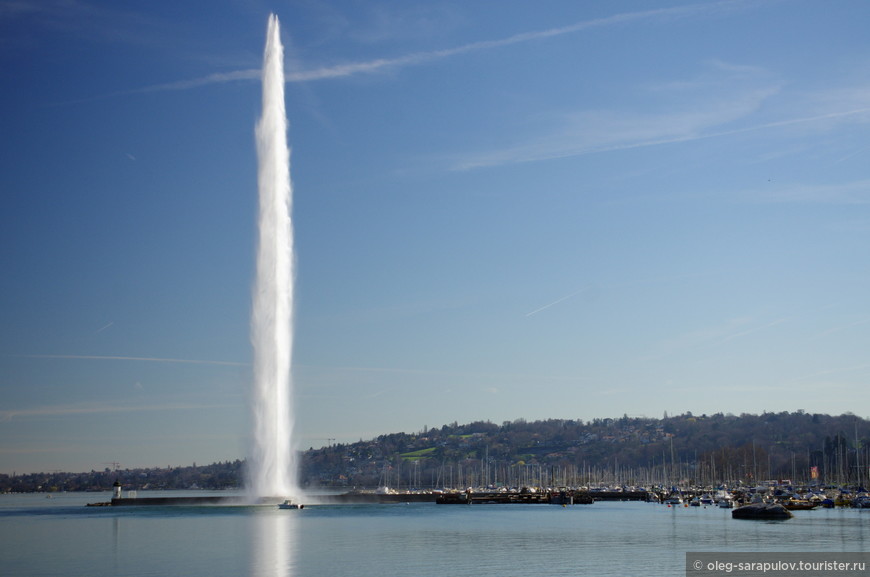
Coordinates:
(554, 303)
(145, 359)
(216, 78)
(423, 57)
(417, 58)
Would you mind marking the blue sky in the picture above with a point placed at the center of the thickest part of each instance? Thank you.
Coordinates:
(503, 210)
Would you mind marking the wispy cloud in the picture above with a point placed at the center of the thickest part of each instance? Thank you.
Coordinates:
(93, 21)
(838, 329)
(851, 154)
(337, 376)
(600, 131)
(680, 110)
(102, 408)
(141, 359)
(724, 100)
(857, 192)
(23, 7)
(710, 336)
(610, 132)
(754, 329)
(826, 372)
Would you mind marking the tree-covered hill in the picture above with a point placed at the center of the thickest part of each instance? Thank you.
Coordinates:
(686, 448)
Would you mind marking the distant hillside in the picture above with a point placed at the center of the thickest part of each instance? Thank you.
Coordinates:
(685, 448)
(227, 475)
(705, 449)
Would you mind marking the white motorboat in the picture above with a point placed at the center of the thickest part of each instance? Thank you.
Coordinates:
(674, 499)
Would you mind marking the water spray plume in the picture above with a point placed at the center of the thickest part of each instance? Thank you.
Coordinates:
(272, 469)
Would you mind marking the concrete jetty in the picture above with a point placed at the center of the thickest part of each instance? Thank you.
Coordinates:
(192, 501)
(562, 497)
(352, 498)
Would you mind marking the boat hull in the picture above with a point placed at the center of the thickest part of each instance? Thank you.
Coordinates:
(761, 512)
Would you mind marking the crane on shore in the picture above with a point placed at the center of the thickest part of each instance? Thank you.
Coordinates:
(329, 440)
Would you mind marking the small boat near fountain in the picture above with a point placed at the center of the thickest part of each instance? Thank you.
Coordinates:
(288, 504)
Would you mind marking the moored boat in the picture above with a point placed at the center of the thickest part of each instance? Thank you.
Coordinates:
(761, 511)
(799, 504)
(674, 499)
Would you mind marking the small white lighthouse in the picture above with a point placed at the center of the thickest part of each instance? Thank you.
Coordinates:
(116, 490)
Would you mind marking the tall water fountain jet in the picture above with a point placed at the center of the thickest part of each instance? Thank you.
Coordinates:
(272, 469)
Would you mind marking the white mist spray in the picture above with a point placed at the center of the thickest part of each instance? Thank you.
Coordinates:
(272, 470)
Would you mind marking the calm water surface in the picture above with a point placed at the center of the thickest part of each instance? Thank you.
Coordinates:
(60, 536)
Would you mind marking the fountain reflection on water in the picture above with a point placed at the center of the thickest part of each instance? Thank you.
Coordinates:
(273, 542)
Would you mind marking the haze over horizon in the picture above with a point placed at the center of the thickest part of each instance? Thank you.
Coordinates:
(503, 210)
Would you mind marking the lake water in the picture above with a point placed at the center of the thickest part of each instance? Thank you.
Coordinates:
(61, 537)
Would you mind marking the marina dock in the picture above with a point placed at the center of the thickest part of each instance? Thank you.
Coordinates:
(566, 497)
